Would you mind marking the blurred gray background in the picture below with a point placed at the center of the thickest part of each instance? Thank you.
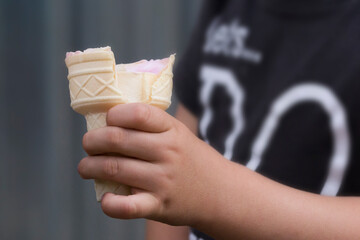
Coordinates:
(41, 193)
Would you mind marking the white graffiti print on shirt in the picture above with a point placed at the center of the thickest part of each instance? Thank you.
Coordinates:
(194, 237)
(323, 96)
(212, 76)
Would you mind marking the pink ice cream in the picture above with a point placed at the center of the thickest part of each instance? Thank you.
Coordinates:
(151, 66)
(69, 54)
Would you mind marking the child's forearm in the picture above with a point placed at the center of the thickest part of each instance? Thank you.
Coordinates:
(180, 180)
(161, 231)
(250, 206)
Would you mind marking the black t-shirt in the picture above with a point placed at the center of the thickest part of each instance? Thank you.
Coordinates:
(275, 85)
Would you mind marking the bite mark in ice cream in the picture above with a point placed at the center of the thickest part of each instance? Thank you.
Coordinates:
(151, 66)
(69, 54)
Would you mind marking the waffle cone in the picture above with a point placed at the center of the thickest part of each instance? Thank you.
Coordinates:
(98, 120)
(97, 84)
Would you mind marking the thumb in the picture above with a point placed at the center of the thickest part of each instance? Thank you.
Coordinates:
(140, 205)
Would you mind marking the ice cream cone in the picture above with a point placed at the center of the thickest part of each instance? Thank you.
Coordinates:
(96, 84)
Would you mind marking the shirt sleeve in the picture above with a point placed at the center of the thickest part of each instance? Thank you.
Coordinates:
(186, 72)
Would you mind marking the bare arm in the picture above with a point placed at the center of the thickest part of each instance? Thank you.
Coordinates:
(250, 206)
(160, 231)
(178, 179)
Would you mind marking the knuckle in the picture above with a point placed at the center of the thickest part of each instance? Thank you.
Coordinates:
(164, 200)
(172, 147)
(164, 180)
(142, 113)
(114, 137)
(168, 177)
(111, 167)
(129, 210)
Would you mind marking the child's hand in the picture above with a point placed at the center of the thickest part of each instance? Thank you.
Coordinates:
(171, 172)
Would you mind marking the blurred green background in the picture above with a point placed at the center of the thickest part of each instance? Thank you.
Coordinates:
(41, 193)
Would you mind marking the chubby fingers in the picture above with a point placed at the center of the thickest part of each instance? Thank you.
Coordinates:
(121, 141)
(132, 172)
(139, 116)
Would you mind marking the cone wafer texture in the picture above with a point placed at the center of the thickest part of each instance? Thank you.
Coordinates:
(97, 84)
